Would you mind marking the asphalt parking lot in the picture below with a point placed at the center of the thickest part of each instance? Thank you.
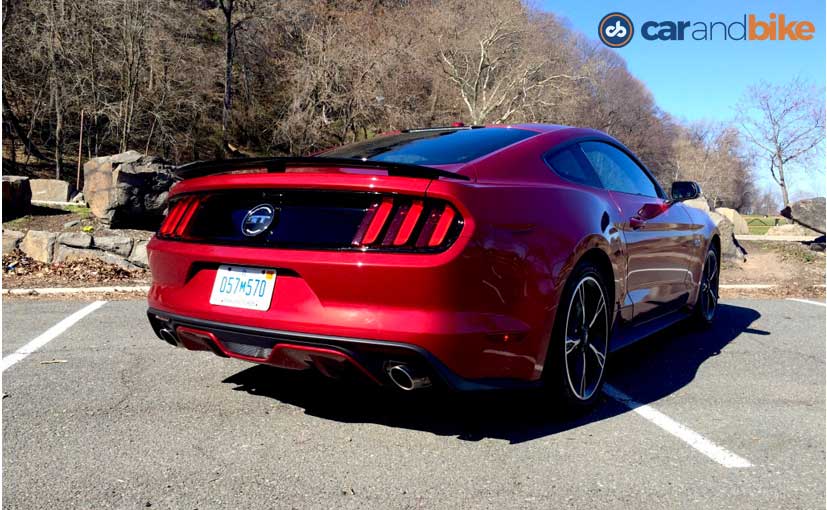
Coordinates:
(106, 415)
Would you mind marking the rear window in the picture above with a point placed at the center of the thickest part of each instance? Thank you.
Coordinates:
(432, 146)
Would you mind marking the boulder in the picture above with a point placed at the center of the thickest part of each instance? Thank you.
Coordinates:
(809, 212)
(738, 222)
(120, 244)
(39, 245)
(138, 255)
(17, 196)
(76, 239)
(128, 189)
(791, 229)
(730, 249)
(70, 254)
(52, 190)
(11, 239)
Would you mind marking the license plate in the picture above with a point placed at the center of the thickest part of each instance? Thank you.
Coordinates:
(243, 287)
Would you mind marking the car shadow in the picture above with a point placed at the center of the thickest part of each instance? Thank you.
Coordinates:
(646, 371)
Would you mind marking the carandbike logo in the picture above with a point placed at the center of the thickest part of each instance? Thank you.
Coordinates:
(616, 30)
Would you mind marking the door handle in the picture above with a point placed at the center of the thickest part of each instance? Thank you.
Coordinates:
(636, 222)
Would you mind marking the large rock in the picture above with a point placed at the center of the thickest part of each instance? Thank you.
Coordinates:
(791, 229)
(75, 239)
(39, 245)
(70, 254)
(809, 212)
(738, 222)
(138, 255)
(11, 239)
(127, 189)
(17, 196)
(120, 244)
(730, 249)
(52, 190)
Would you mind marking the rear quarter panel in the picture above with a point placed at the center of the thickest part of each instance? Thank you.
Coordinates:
(530, 229)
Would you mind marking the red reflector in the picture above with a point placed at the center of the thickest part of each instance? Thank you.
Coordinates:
(408, 224)
(187, 215)
(442, 226)
(378, 221)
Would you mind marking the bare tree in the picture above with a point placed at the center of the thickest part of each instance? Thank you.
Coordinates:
(236, 13)
(482, 51)
(785, 123)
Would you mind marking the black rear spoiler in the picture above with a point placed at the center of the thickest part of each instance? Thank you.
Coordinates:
(219, 166)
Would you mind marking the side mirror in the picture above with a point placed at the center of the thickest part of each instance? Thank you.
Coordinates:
(685, 190)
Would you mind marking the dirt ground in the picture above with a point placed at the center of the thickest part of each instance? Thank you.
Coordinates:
(793, 268)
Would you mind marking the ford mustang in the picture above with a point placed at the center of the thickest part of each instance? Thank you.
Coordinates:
(481, 257)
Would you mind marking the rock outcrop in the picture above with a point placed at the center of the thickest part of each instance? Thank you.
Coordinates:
(730, 249)
(809, 213)
(739, 224)
(127, 189)
(51, 190)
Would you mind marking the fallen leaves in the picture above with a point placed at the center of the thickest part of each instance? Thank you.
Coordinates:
(20, 270)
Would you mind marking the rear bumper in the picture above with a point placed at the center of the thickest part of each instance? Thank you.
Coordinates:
(331, 355)
(442, 303)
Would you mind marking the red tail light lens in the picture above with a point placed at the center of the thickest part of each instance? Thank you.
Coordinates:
(411, 218)
(180, 213)
(401, 222)
(374, 221)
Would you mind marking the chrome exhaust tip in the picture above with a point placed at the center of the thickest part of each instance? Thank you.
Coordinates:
(168, 336)
(406, 379)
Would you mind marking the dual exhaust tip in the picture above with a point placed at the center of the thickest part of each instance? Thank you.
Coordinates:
(168, 336)
(403, 376)
(406, 378)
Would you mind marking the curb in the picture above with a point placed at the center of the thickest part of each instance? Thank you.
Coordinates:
(138, 289)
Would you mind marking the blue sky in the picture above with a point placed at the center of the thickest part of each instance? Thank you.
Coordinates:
(696, 80)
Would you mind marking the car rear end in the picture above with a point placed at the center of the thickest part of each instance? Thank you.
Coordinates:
(355, 270)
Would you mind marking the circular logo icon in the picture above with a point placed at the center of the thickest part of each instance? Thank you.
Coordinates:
(258, 219)
(615, 30)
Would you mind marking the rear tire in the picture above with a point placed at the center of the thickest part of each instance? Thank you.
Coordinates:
(706, 305)
(576, 362)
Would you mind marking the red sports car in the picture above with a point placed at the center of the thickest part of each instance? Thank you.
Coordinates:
(469, 257)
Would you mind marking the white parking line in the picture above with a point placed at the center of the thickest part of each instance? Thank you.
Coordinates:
(49, 335)
(720, 455)
(819, 303)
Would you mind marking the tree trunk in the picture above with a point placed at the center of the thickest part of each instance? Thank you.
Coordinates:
(227, 8)
(783, 184)
(58, 131)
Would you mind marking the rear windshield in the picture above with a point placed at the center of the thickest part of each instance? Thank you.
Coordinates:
(432, 146)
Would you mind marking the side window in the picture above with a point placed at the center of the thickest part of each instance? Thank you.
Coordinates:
(567, 166)
(617, 171)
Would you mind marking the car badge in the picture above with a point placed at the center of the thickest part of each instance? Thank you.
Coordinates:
(258, 220)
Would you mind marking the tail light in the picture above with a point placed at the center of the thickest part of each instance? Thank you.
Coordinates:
(180, 213)
(400, 222)
(317, 220)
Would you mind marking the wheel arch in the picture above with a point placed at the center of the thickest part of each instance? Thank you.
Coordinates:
(604, 265)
